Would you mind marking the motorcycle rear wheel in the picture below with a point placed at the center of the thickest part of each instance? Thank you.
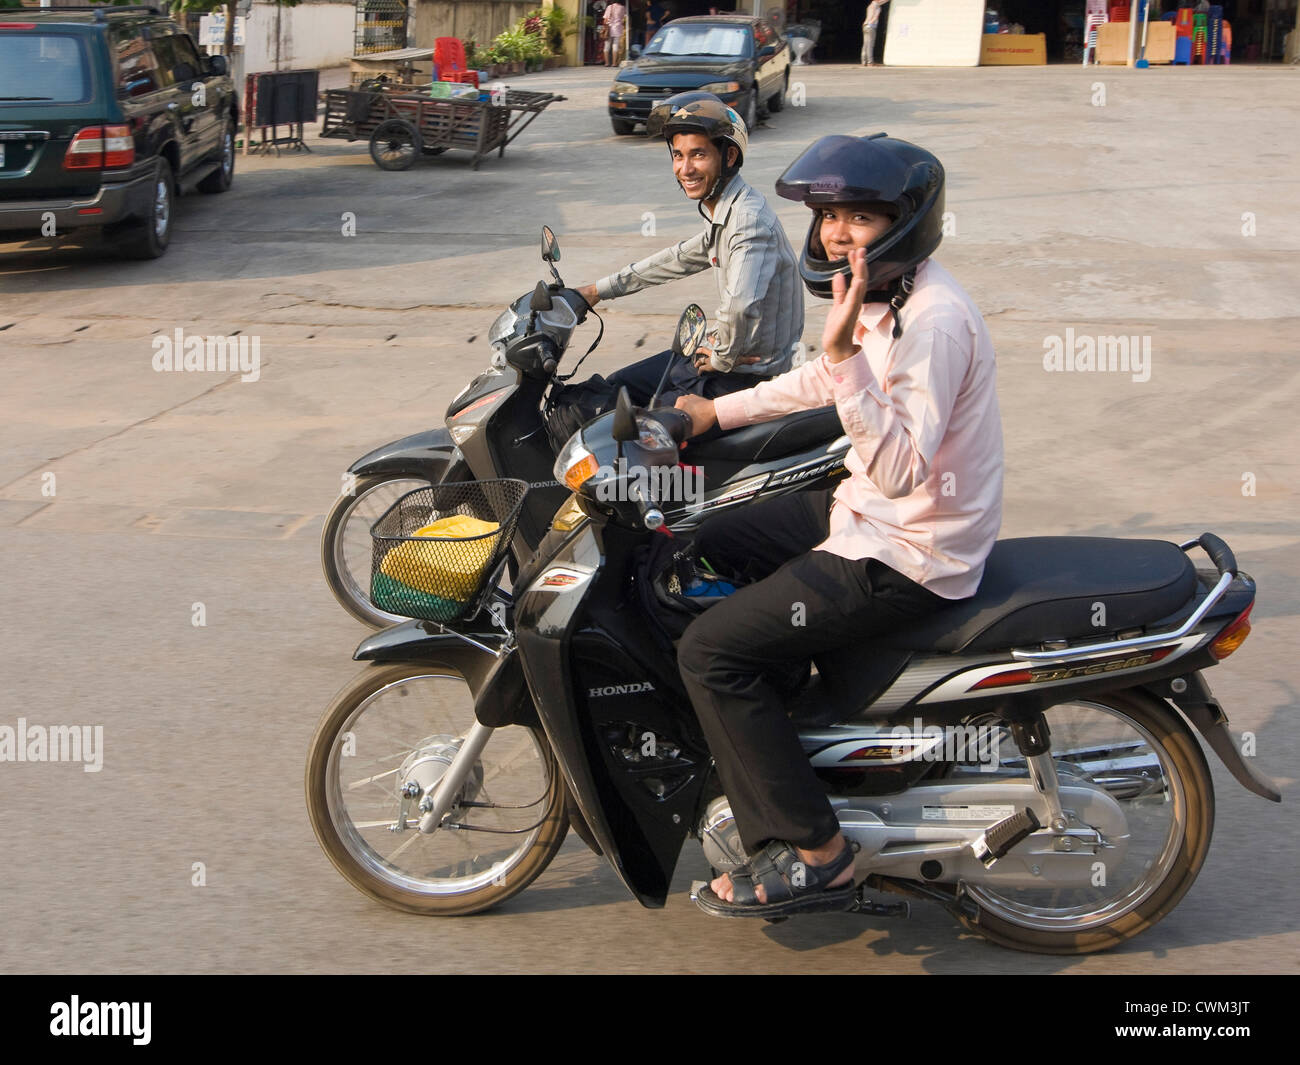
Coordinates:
(394, 723)
(1187, 790)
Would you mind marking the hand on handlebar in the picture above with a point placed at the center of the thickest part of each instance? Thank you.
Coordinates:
(701, 412)
(589, 293)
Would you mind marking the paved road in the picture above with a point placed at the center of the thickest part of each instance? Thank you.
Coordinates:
(1167, 211)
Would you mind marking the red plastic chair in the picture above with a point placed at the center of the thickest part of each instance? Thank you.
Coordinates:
(449, 55)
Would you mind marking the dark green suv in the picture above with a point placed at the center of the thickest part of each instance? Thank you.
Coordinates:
(106, 115)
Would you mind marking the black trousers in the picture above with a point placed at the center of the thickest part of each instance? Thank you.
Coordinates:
(740, 659)
(641, 379)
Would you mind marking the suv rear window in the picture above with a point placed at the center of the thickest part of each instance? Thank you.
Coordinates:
(43, 68)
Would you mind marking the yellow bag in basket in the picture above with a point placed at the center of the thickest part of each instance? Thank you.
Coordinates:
(451, 570)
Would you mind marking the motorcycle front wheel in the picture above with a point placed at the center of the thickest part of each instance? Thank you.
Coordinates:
(346, 546)
(1145, 756)
(383, 744)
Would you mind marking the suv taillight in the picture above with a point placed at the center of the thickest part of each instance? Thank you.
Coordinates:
(99, 148)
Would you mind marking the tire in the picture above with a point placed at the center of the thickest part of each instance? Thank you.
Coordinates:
(351, 808)
(345, 543)
(777, 102)
(149, 237)
(394, 145)
(751, 109)
(1182, 851)
(622, 127)
(220, 179)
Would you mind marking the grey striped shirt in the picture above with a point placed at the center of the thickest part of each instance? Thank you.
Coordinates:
(760, 308)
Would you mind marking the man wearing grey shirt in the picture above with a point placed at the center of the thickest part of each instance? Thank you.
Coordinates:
(760, 311)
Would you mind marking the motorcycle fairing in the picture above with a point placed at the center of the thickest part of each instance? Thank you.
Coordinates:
(564, 664)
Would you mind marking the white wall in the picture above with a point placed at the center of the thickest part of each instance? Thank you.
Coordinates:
(312, 35)
(934, 33)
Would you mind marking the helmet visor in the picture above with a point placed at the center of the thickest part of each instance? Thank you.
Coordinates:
(841, 169)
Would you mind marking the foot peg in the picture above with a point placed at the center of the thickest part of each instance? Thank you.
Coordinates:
(997, 839)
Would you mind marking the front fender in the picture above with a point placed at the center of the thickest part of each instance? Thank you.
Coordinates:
(425, 641)
(428, 453)
(495, 675)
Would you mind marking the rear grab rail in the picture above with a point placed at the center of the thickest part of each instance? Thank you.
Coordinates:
(1224, 561)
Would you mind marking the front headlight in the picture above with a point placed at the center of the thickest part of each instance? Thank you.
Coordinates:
(503, 326)
(721, 86)
(624, 86)
(575, 465)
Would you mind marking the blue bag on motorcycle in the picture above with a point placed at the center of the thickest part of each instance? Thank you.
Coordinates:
(674, 586)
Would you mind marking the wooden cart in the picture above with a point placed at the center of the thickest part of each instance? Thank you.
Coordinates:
(405, 122)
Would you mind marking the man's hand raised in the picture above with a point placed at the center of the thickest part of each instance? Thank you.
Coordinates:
(837, 337)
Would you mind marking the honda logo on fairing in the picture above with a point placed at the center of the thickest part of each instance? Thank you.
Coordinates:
(621, 689)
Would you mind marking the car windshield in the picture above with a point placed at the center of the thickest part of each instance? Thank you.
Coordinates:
(701, 39)
(46, 67)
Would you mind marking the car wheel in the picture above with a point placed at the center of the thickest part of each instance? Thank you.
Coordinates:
(220, 179)
(751, 109)
(148, 238)
(777, 102)
(622, 126)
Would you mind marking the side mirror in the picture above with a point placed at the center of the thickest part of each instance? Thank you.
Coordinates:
(217, 66)
(766, 50)
(624, 427)
(691, 328)
(550, 246)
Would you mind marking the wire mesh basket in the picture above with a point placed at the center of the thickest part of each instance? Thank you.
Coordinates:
(437, 550)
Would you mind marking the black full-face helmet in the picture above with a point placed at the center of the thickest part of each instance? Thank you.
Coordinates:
(702, 112)
(893, 175)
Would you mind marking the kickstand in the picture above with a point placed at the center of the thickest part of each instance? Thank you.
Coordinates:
(871, 908)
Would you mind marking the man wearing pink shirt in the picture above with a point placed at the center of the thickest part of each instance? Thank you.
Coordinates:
(910, 367)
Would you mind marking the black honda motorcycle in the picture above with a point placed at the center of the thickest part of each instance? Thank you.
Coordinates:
(1036, 774)
(496, 428)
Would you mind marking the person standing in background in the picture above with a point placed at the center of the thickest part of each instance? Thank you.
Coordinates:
(615, 22)
(869, 25)
(654, 18)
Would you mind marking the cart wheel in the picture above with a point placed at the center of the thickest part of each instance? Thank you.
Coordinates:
(394, 144)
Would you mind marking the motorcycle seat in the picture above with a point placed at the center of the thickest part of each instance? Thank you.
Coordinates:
(1041, 588)
(770, 440)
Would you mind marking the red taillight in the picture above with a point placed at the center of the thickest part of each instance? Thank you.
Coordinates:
(119, 147)
(17, 25)
(100, 147)
(1233, 636)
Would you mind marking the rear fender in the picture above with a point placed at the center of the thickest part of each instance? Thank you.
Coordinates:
(1202, 709)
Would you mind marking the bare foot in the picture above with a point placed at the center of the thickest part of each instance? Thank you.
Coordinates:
(722, 886)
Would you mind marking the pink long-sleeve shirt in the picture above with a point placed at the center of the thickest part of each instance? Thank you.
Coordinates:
(924, 492)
